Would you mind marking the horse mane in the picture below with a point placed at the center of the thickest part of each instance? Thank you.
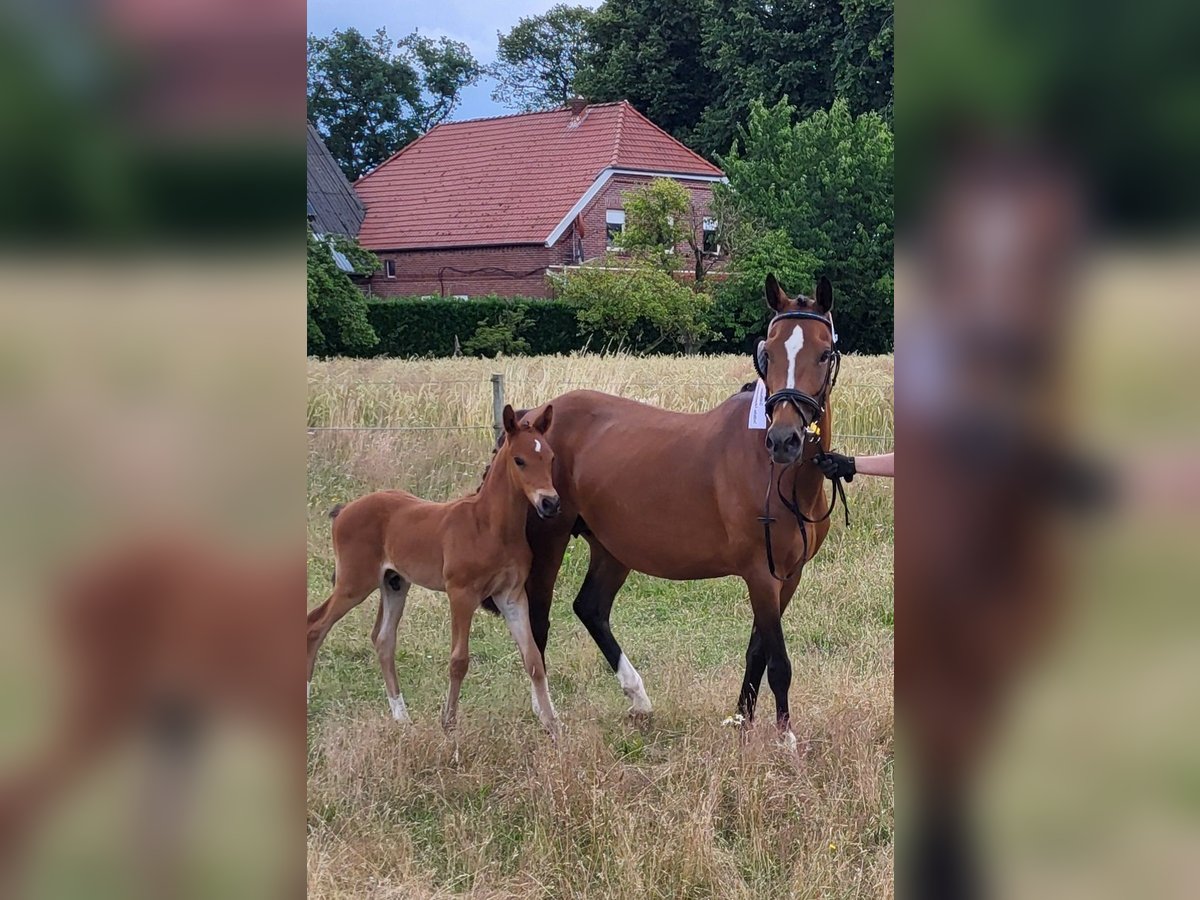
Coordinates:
(496, 449)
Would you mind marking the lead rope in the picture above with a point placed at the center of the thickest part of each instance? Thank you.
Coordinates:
(793, 506)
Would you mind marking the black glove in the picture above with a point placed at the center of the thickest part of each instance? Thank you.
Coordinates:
(835, 465)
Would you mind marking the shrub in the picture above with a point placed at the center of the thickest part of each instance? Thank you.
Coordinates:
(337, 310)
(504, 336)
(637, 306)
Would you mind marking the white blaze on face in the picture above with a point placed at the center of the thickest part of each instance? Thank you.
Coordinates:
(793, 345)
(537, 445)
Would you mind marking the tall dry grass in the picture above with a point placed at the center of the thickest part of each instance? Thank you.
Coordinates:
(676, 807)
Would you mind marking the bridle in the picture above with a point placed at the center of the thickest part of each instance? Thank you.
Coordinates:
(799, 399)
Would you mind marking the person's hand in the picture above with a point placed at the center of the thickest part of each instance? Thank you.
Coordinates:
(835, 465)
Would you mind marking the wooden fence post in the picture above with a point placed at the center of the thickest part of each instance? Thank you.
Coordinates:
(498, 405)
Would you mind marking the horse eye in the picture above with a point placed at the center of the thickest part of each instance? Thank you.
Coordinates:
(520, 462)
(826, 356)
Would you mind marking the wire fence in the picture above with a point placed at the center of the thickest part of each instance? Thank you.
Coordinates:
(499, 385)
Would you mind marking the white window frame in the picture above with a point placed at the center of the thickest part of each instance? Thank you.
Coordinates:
(708, 227)
(389, 268)
(612, 217)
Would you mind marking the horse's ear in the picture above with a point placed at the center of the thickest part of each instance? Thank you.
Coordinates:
(510, 419)
(824, 295)
(776, 298)
(542, 425)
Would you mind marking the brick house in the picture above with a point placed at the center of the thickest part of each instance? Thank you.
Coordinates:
(488, 206)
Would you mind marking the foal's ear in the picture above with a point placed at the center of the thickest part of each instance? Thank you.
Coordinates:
(542, 425)
(776, 298)
(510, 419)
(824, 295)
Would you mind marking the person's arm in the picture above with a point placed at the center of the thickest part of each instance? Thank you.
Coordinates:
(882, 464)
(838, 465)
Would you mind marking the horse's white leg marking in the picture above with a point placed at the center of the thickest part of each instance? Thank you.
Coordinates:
(792, 345)
(399, 710)
(537, 707)
(517, 616)
(631, 684)
(385, 647)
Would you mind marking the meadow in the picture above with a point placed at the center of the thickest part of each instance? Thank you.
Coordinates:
(676, 806)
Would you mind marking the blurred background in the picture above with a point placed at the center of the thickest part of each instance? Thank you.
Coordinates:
(151, 464)
(1047, 269)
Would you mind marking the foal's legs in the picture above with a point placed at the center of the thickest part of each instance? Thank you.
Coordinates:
(392, 594)
(462, 611)
(593, 605)
(515, 609)
(352, 588)
(756, 656)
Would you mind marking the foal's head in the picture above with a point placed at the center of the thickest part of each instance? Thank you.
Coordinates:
(797, 362)
(528, 460)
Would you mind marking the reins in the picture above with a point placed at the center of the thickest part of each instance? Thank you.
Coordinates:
(817, 406)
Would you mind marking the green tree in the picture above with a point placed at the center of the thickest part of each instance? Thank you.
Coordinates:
(636, 306)
(695, 67)
(337, 310)
(369, 96)
(651, 53)
(738, 308)
(661, 217)
(538, 59)
(827, 183)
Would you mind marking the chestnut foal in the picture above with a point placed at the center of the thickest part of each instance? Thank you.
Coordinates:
(471, 549)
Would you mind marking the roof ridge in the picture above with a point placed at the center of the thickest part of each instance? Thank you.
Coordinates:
(616, 151)
(670, 136)
(533, 112)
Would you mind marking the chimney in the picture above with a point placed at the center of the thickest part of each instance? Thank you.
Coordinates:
(578, 105)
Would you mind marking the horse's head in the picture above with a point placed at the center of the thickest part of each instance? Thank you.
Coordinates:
(798, 364)
(529, 461)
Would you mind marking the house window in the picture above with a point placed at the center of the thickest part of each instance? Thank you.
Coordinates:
(711, 247)
(614, 220)
(389, 268)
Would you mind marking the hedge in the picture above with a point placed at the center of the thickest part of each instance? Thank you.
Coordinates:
(413, 326)
(416, 326)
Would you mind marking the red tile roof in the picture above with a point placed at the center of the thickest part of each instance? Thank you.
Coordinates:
(510, 179)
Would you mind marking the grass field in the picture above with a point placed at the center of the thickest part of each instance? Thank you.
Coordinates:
(675, 807)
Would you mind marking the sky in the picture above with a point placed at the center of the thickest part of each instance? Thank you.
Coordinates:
(474, 22)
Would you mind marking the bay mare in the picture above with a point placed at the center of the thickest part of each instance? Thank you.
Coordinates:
(682, 496)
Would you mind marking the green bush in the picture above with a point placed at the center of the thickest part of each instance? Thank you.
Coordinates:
(337, 310)
(637, 306)
(414, 326)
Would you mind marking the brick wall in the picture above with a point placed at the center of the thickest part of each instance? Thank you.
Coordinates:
(474, 271)
(516, 270)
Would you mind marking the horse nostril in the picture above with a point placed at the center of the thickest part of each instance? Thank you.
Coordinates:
(549, 505)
